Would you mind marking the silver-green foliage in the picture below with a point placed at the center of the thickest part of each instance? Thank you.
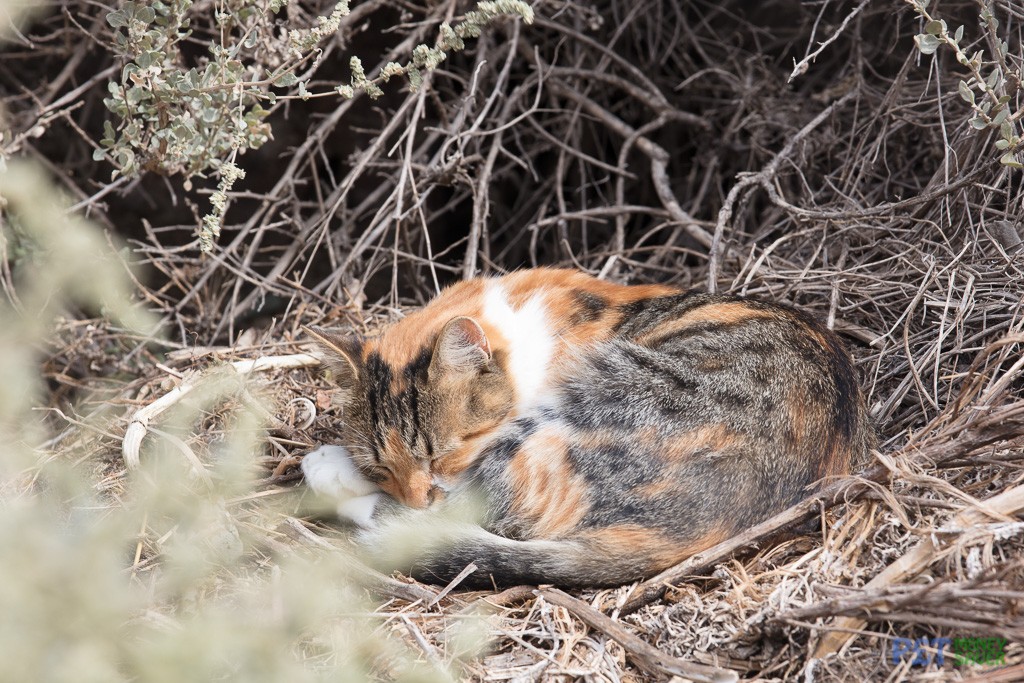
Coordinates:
(172, 119)
(989, 89)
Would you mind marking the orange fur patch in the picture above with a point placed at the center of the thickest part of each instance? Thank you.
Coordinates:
(650, 546)
(451, 465)
(825, 338)
(811, 435)
(716, 438)
(400, 344)
(545, 490)
(411, 481)
(729, 313)
(836, 462)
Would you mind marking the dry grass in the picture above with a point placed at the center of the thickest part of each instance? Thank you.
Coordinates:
(649, 141)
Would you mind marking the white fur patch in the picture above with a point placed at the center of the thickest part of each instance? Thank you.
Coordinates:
(359, 510)
(531, 344)
(329, 471)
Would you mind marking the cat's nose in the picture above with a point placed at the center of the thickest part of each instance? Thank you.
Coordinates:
(414, 491)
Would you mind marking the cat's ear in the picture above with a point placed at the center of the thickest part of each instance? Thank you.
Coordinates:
(462, 347)
(342, 354)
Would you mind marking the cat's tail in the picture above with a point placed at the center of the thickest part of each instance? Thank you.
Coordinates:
(442, 555)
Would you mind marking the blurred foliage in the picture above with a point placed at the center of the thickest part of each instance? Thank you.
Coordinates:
(162, 579)
(75, 605)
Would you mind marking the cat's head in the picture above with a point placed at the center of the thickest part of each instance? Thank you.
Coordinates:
(407, 421)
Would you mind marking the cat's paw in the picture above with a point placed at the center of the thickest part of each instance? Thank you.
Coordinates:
(329, 471)
(360, 510)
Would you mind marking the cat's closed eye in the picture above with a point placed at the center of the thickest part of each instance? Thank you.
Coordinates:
(378, 475)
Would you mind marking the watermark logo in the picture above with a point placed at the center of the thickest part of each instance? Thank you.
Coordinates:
(924, 651)
(980, 650)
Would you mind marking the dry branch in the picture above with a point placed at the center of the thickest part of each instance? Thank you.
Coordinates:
(646, 656)
(929, 550)
(138, 424)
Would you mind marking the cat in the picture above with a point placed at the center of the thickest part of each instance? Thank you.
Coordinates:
(611, 431)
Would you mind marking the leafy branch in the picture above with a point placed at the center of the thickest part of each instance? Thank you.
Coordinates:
(192, 121)
(991, 104)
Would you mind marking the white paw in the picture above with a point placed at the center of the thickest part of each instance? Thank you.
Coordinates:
(359, 510)
(329, 471)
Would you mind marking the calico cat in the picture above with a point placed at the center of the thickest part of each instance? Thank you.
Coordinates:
(611, 430)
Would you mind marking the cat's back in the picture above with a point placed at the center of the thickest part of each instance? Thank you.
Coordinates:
(534, 320)
(723, 408)
(689, 360)
(532, 303)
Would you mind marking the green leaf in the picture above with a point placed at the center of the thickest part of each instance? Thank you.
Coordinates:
(1010, 160)
(959, 34)
(995, 79)
(934, 27)
(98, 154)
(137, 95)
(966, 93)
(117, 19)
(286, 79)
(926, 43)
(1002, 144)
(979, 123)
(1001, 116)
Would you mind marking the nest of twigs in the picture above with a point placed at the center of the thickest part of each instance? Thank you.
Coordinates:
(645, 141)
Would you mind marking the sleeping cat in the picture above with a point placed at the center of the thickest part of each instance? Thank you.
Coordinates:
(611, 431)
